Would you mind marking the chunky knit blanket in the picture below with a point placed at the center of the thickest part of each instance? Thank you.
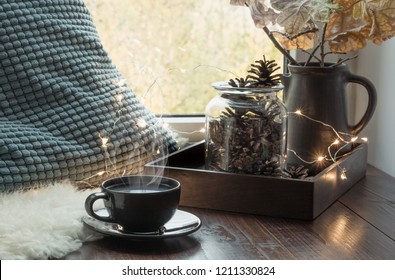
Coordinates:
(65, 111)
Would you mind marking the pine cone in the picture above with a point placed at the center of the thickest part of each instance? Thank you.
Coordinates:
(240, 82)
(261, 75)
(271, 168)
(296, 172)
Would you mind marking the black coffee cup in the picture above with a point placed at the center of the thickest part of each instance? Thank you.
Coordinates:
(137, 203)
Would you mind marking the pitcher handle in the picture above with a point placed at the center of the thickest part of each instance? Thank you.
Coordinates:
(372, 96)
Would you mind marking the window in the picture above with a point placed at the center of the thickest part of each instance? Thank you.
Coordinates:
(171, 51)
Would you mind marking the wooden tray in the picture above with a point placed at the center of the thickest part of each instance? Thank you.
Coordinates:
(277, 197)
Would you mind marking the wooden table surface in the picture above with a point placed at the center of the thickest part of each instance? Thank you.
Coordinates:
(359, 225)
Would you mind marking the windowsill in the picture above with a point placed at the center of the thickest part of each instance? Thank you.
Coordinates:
(190, 127)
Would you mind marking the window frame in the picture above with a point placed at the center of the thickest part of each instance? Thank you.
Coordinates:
(190, 127)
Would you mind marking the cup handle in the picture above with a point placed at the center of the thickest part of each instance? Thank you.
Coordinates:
(372, 96)
(90, 200)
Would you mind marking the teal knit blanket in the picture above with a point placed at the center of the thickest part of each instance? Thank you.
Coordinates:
(65, 111)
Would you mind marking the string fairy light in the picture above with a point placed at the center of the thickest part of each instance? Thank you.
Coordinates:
(300, 113)
(110, 167)
(119, 98)
(341, 142)
(104, 141)
(120, 94)
(320, 158)
(343, 174)
(141, 123)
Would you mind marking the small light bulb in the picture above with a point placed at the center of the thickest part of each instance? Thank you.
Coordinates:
(100, 173)
(298, 112)
(120, 82)
(336, 142)
(141, 123)
(166, 125)
(365, 139)
(354, 139)
(104, 142)
(119, 98)
(343, 175)
(320, 158)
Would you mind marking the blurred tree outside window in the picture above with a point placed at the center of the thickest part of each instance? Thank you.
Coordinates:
(171, 51)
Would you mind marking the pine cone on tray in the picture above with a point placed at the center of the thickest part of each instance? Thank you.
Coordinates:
(296, 172)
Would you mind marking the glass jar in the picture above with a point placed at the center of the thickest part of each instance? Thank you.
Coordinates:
(246, 130)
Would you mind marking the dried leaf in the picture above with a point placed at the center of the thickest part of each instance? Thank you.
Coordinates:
(296, 14)
(261, 13)
(348, 42)
(382, 18)
(349, 23)
(294, 19)
(239, 2)
(303, 42)
(343, 21)
(359, 21)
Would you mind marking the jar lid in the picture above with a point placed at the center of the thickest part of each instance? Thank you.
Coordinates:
(225, 86)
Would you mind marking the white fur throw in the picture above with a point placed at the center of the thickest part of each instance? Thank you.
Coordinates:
(43, 223)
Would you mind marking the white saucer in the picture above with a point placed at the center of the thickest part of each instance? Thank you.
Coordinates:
(182, 223)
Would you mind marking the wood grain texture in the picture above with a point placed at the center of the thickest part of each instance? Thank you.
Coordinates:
(374, 200)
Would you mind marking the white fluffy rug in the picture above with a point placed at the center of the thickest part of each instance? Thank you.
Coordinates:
(43, 223)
